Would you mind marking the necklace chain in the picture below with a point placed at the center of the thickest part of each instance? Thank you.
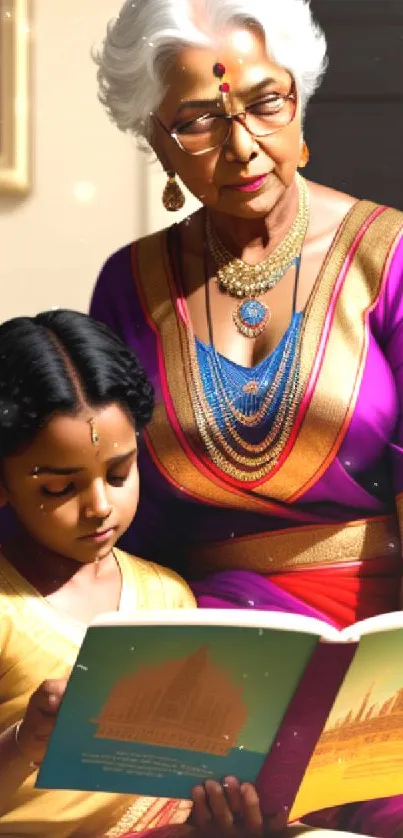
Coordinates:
(229, 450)
(239, 279)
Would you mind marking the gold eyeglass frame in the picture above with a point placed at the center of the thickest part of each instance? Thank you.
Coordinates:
(240, 117)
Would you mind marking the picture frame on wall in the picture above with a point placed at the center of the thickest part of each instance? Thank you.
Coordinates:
(15, 163)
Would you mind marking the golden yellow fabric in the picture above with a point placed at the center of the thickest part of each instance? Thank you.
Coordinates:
(37, 642)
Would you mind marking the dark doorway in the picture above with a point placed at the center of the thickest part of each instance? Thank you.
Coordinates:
(354, 125)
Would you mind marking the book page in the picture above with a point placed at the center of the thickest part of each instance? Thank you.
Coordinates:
(382, 622)
(359, 755)
(236, 617)
(156, 709)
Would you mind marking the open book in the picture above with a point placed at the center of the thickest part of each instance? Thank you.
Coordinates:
(313, 716)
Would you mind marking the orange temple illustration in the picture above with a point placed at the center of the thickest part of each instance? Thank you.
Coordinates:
(358, 756)
(184, 703)
(373, 724)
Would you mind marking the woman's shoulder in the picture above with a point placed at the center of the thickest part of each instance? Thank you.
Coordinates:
(380, 229)
(114, 299)
(118, 265)
(342, 219)
(117, 260)
(329, 207)
(115, 288)
(113, 277)
(117, 269)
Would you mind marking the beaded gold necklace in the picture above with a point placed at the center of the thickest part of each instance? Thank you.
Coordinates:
(239, 279)
(244, 417)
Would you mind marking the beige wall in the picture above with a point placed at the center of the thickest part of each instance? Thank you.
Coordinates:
(92, 190)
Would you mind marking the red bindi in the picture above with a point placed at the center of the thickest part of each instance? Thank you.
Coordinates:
(219, 70)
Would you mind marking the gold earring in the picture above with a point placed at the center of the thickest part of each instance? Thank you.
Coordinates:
(173, 198)
(304, 159)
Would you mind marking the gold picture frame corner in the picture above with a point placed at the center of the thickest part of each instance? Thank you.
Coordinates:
(15, 97)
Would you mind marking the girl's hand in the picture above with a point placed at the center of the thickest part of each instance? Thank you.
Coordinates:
(39, 720)
(230, 809)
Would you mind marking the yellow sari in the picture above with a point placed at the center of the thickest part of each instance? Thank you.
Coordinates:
(38, 642)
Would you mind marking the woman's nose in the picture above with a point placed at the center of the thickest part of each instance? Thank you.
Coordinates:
(240, 145)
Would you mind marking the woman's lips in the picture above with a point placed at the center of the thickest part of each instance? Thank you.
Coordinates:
(250, 185)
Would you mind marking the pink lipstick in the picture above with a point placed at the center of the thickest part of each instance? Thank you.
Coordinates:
(250, 184)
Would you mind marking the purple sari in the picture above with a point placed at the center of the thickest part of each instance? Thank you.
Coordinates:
(319, 533)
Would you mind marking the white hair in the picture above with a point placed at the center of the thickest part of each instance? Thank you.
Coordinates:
(142, 41)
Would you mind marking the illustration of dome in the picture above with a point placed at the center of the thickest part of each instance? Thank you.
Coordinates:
(188, 703)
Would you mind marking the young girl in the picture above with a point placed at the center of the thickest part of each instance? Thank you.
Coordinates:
(73, 400)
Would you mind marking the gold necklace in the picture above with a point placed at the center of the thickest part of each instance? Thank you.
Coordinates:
(238, 278)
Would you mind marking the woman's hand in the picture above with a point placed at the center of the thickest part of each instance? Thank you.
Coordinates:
(39, 720)
(230, 810)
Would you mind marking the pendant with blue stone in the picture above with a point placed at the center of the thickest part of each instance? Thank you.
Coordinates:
(251, 317)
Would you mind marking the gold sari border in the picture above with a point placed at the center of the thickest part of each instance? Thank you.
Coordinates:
(173, 421)
(333, 349)
(350, 285)
(149, 813)
(301, 548)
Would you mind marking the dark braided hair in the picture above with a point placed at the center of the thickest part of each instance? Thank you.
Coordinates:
(57, 361)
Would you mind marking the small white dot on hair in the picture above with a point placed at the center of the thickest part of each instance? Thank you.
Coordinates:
(243, 40)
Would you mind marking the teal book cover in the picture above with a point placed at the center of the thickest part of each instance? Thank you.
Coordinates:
(155, 709)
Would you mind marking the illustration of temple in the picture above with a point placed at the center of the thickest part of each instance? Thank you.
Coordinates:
(184, 703)
(372, 724)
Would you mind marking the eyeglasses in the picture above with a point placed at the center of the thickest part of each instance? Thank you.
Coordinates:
(211, 131)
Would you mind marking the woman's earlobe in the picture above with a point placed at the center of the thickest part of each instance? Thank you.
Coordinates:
(305, 155)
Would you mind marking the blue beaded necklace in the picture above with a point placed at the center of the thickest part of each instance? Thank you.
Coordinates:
(244, 400)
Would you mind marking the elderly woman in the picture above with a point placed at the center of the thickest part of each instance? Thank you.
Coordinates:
(272, 471)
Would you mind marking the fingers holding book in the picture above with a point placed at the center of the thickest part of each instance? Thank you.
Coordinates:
(227, 809)
(33, 731)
